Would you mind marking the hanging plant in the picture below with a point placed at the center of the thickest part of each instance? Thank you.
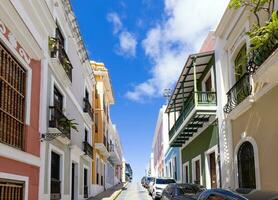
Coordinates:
(263, 39)
(68, 124)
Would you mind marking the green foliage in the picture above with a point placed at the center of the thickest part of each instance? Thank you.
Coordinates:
(68, 124)
(255, 5)
(260, 36)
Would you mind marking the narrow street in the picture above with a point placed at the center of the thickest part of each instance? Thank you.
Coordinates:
(135, 192)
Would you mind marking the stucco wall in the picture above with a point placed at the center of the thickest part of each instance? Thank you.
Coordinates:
(207, 139)
(21, 169)
(172, 152)
(260, 122)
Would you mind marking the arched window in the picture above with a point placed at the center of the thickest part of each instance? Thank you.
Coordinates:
(246, 166)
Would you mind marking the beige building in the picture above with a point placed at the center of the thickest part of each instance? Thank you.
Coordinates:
(248, 92)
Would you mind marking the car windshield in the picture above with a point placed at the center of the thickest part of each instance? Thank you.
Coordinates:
(189, 189)
(164, 181)
(149, 179)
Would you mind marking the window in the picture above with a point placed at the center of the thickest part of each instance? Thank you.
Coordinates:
(197, 172)
(11, 190)
(86, 135)
(12, 100)
(170, 167)
(58, 99)
(246, 166)
(55, 188)
(175, 168)
(240, 63)
(215, 197)
(97, 170)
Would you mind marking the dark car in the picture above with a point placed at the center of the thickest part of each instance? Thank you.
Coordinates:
(239, 194)
(186, 191)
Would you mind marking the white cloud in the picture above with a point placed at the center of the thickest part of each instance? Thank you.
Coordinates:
(169, 42)
(127, 45)
(127, 41)
(116, 21)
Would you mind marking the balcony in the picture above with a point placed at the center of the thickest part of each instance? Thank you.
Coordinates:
(196, 111)
(57, 123)
(263, 61)
(102, 146)
(238, 93)
(193, 101)
(88, 149)
(58, 51)
(114, 154)
(87, 108)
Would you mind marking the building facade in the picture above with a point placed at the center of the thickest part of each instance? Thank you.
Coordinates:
(66, 111)
(160, 143)
(194, 129)
(20, 74)
(102, 130)
(172, 163)
(247, 96)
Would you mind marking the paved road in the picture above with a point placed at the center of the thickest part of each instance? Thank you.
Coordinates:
(134, 192)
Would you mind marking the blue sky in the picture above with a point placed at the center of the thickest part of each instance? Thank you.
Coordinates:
(144, 44)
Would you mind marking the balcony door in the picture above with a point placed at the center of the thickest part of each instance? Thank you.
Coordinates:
(58, 99)
(240, 63)
(212, 170)
(55, 188)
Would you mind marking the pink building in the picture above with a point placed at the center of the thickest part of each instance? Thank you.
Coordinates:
(20, 75)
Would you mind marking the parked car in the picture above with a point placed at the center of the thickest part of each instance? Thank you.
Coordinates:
(240, 194)
(185, 191)
(157, 186)
(143, 180)
(147, 181)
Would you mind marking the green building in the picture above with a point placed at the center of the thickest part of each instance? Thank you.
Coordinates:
(193, 124)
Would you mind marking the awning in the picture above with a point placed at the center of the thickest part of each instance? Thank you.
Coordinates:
(185, 84)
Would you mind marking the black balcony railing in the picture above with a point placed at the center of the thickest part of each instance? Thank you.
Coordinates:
(57, 120)
(88, 149)
(86, 191)
(57, 50)
(238, 93)
(55, 189)
(87, 108)
(202, 99)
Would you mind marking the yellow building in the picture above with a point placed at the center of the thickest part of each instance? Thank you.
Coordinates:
(103, 98)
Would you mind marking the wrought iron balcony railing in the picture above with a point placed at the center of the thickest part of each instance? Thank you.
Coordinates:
(57, 50)
(58, 120)
(87, 108)
(202, 99)
(238, 93)
(88, 149)
(55, 189)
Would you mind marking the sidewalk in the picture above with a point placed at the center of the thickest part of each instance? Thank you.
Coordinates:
(108, 193)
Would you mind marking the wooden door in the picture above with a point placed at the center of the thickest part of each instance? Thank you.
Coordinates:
(212, 168)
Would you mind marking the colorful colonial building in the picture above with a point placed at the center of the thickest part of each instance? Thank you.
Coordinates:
(20, 76)
(247, 103)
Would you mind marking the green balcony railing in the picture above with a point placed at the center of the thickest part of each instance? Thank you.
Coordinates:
(194, 100)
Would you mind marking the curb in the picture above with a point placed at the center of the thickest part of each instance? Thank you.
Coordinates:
(116, 194)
